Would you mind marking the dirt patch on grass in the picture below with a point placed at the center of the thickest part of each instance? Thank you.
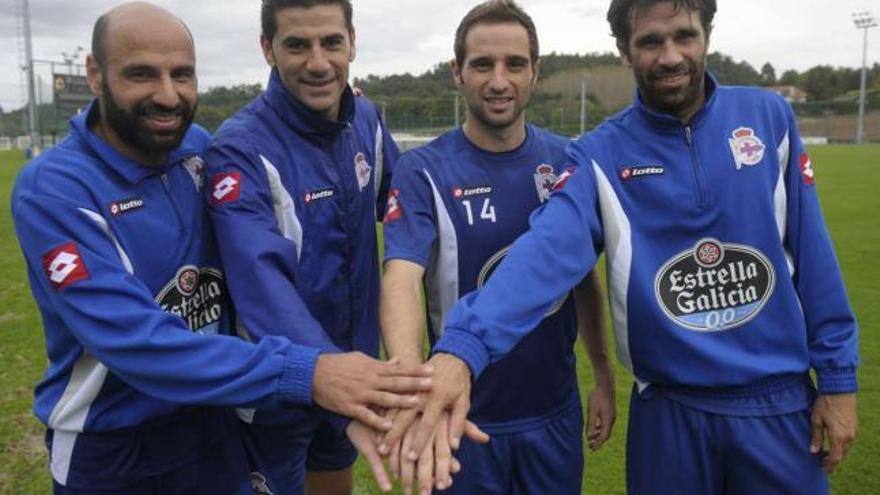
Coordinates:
(29, 444)
(7, 317)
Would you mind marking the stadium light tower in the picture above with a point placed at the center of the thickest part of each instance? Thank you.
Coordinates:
(29, 67)
(864, 21)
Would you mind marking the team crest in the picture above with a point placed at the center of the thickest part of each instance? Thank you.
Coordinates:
(747, 148)
(545, 179)
(196, 168)
(362, 169)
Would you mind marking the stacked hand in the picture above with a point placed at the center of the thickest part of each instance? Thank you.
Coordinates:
(353, 384)
(421, 442)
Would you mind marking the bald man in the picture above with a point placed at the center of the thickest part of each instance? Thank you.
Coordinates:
(133, 303)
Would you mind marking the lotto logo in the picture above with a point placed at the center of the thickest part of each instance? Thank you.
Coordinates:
(225, 188)
(807, 170)
(64, 266)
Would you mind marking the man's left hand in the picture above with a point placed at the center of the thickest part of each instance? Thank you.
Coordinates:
(835, 418)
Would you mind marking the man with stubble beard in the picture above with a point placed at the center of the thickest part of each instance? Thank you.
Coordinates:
(725, 290)
(133, 303)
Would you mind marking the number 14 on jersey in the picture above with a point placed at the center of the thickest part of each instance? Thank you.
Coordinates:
(487, 212)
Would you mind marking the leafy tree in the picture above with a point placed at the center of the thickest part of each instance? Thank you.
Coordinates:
(768, 74)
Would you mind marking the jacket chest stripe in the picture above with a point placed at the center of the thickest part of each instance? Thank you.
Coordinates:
(780, 199)
(619, 253)
(105, 227)
(442, 275)
(285, 208)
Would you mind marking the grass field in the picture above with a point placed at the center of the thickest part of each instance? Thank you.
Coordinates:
(849, 182)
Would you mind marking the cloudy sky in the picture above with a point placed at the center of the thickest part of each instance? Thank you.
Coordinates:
(396, 36)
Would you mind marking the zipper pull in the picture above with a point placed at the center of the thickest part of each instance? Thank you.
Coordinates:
(688, 135)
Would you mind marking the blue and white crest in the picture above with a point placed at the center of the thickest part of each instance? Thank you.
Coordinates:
(747, 147)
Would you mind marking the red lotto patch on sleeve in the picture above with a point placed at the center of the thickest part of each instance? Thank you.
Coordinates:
(225, 188)
(563, 179)
(807, 170)
(393, 211)
(64, 266)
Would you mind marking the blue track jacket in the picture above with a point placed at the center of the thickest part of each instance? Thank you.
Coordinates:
(294, 198)
(720, 270)
(127, 288)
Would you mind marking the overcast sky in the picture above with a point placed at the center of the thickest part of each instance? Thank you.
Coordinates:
(395, 36)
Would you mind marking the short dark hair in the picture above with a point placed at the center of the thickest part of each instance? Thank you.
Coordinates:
(271, 7)
(495, 12)
(622, 12)
(99, 35)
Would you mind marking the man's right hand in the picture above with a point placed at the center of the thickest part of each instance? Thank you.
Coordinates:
(351, 384)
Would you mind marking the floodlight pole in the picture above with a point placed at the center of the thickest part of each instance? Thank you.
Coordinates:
(583, 105)
(29, 61)
(863, 21)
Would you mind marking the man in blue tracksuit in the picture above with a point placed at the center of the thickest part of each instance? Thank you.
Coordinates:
(133, 302)
(456, 205)
(724, 286)
(296, 180)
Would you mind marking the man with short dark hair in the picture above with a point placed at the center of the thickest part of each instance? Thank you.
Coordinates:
(126, 277)
(297, 179)
(456, 205)
(724, 286)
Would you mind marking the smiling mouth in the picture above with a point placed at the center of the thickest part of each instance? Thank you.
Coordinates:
(499, 101)
(317, 84)
(672, 79)
(163, 122)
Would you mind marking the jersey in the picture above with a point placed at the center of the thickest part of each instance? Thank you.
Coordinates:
(721, 271)
(131, 294)
(455, 209)
(293, 198)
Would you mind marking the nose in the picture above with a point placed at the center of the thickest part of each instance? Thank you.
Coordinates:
(317, 62)
(499, 81)
(670, 55)
(166, 93)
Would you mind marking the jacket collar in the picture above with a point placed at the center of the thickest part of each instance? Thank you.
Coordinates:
(670, 123)
(131, 170)
(303, 119)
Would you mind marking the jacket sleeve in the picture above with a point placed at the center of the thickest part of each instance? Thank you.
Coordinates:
(84, 283)
(410, 228)
(249, 209)
(542, 266)
(831, 325)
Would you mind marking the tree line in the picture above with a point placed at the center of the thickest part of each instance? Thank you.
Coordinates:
(428, 100)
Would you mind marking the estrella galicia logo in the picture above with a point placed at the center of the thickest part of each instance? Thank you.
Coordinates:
(489, 268)
(715, 286)
(198, 295)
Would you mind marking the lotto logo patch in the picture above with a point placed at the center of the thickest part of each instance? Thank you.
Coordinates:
(118, 208)
(807, 170)
(64, 266)
(393, 211)
(466, 192)
(225, 188)
(563, 179)
(319, 194)
(630, 173)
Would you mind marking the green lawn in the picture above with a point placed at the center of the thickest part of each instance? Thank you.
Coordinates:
(849, 183)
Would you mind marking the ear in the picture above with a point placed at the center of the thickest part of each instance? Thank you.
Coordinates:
(94, 76)
(537, 70)
(623, 50)
(266, 45)
(455, 71)
(353, 45)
